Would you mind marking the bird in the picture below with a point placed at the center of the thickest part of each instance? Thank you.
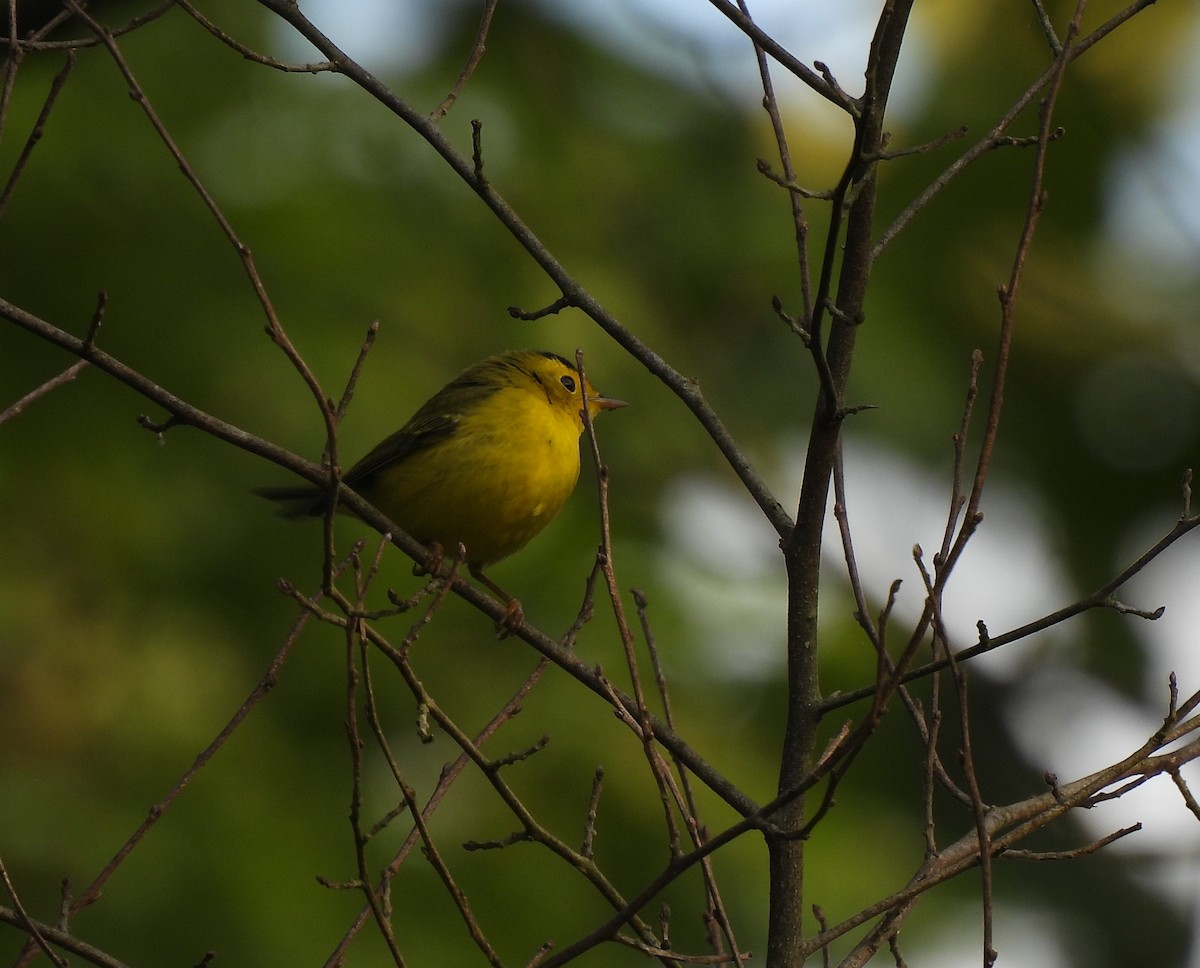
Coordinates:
(486, 462)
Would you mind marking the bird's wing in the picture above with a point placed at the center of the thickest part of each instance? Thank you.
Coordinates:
(424, 430)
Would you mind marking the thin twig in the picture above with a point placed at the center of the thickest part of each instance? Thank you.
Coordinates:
(249, 53)
(473, 59)
(1076, 853)
(1100, 598)
(62, 938)
(37, 41)
(718, 914)
(264, 685)
(25, 922)
(995, 137)
(274, 328)
(39, 125)
(587, 848)
(66, 376)
(449, 774)
(788, 179)
(1009, 825)
(658, 768)
(957, 498)
(822, 82)
(529, 825)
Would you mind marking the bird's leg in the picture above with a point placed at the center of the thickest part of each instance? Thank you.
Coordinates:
(514, 614)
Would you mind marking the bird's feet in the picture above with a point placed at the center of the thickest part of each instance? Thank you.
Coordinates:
(512, 619)
(432, 563)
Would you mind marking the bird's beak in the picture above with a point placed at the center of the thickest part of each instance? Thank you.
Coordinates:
(606, 403)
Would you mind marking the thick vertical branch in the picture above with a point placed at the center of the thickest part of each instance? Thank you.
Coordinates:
(855, 197)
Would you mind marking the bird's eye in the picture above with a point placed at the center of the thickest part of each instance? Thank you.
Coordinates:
(568, 382)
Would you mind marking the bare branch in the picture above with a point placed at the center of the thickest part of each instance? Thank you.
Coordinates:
(53, 383)
(247, 52)
(473, 59)
(996, 137)
(1101, 598)
(39, 126)
(823, 83)
(25, 923)
(1008, 826)
(61, 939)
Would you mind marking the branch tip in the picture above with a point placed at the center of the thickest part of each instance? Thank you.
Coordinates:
(764, 168)
(561, 303)
(89, 340)
(158, 428)
(792, 323)
(856, 409)
(1122, 609)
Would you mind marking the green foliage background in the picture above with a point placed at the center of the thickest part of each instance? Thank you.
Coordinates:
(137, 597)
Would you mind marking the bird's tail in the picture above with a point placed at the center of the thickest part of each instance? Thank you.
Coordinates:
(296, 502)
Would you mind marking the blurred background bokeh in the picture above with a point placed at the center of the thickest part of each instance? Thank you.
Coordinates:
(138, 601)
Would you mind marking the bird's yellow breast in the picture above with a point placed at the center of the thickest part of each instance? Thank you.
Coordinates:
(492, 484)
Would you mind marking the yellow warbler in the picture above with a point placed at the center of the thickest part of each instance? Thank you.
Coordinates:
(486, 462)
